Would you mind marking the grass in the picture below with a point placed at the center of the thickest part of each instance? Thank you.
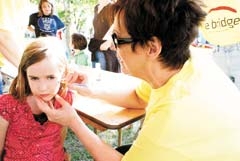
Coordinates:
(79, 153)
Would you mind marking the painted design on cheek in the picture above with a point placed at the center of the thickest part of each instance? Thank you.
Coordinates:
(63, 88)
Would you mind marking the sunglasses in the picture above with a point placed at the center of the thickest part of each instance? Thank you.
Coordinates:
(119, 41)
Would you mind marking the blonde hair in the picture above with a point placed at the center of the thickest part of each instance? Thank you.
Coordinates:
(36, 51)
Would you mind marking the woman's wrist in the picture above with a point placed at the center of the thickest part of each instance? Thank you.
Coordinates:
(75, 122)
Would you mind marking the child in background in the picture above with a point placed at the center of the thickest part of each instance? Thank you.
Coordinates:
(45, 21)
(26, 133)
(78, 44)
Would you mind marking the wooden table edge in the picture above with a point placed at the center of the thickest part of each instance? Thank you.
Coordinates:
(108, 126)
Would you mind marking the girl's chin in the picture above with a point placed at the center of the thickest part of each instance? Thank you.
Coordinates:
(46, 99)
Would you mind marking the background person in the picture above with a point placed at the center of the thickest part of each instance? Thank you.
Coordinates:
(45, 21)
(26, 133)
(192, 108)
(78, 43)
(102, 21)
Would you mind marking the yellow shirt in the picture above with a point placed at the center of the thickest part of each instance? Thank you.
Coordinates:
(194, 117)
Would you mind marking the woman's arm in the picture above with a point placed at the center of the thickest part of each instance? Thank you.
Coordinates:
(108, 44)
(67, 116)
(9, 48)
(94, 44)
(99, 150)
(3, 127)
(116, 92)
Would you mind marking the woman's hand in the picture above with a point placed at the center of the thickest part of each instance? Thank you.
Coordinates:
(64, 115)
(76, 77)
(78, 82)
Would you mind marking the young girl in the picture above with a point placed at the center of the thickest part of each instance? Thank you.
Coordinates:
(26, 134)
(44, 21)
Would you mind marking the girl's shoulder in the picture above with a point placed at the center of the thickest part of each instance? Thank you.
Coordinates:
(55, 17)
(8, 106)
(7, 98)
(7, 101)
(35, 14)
(80, 52)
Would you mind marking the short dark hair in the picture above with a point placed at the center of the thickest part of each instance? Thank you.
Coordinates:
(174, 22)
(79, 41)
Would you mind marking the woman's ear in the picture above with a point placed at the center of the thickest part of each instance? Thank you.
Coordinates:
(155, 47)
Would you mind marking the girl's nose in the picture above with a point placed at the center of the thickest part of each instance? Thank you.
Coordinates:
(42, 86)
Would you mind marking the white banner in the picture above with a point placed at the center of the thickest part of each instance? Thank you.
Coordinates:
(222, 24)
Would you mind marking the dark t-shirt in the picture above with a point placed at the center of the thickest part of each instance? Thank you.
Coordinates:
(45, 24)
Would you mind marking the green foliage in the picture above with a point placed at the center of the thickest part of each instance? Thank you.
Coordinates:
(79, 153)
(34, 1)
(75, 148)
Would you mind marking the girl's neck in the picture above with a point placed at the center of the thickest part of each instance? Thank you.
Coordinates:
(32, 103)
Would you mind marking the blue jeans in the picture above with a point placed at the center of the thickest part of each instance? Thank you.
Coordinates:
(100, 58)
(228, 59)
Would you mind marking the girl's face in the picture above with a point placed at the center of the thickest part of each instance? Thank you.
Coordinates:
(46, 8)
(44, 78)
